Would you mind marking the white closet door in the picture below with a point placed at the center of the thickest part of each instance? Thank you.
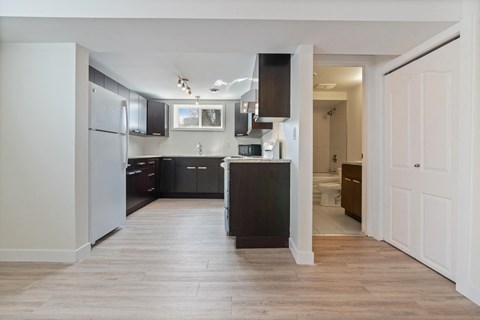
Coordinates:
(421, 158)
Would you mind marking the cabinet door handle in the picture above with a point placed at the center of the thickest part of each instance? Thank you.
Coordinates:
(141, 163)
(202, 168)
(355, 181)
(156, 134)
(417, 165)
(131, 173)
(151, 189)
(348, 179)
(138, 171)
(191, 168)
(239, 134)
(151, 162)
(151, 174)
(167, 159)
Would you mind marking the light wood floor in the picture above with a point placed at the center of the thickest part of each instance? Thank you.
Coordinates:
(173, 261)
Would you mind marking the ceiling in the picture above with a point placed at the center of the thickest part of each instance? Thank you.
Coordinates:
(146, 55)
(343, 77)
(326, 105)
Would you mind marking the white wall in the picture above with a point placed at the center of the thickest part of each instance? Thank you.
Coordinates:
(179, 142)
(39, 113)
(135, 145)
(321, 140)
(355, 123)
(296, 135)
(338, 136)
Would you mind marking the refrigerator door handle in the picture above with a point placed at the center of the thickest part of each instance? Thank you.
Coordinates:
(124, 106)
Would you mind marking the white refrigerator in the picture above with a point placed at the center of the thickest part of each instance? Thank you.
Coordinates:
(108, 158)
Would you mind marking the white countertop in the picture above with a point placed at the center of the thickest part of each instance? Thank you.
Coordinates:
(227, 158)
(354, 163)
(177, 156)
(255, 160)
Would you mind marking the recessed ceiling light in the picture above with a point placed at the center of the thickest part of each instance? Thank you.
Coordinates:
(220, 83)
(214, 90)
(325, 86)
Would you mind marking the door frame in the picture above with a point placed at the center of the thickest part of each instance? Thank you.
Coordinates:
(371, 140)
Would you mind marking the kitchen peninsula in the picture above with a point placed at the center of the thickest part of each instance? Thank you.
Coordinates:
(257, 202)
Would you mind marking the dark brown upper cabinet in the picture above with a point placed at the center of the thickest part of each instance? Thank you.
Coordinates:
(273, 87)
(157, 118)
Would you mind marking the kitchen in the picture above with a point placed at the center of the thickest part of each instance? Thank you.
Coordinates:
(49, 169)
(203, 171)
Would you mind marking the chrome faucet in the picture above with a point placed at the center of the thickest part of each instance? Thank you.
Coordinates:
(199, 147)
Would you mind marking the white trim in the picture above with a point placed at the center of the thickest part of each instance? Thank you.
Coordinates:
(427, 46)
(305, 257)
(468, 117)
(372, 215)
(83, 252)
(67, 256)
(470, 291)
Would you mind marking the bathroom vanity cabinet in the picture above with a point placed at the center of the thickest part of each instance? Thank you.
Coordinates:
(352, 190)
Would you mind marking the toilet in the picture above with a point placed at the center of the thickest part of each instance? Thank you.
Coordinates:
(330, 189)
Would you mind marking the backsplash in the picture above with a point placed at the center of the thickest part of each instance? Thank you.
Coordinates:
(184, 142)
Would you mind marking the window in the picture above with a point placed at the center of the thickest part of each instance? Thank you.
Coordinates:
(198, 117)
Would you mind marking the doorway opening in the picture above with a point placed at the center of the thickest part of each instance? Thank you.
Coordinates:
(337, 150)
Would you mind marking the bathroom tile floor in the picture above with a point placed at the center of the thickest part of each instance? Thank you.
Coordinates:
(332, 220)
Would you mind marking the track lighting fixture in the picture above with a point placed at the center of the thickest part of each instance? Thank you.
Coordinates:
(183, 83)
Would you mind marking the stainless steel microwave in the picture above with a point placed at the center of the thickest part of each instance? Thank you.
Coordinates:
(250, 150)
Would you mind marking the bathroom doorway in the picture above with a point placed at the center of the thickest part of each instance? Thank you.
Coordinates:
(337, 144)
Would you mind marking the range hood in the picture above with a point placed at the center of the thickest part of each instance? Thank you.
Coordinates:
(249, 102)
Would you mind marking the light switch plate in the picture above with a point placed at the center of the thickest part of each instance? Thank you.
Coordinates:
(294, 133)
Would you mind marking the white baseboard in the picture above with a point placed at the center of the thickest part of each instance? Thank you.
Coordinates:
(305, 257)
(470, 291)
(66, 256)
(83, 252)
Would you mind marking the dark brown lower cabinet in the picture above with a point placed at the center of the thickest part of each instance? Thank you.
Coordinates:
(185, 179)
(259, 206)
(141, 183)
(166, 175)
(352, 191)
(172, 177)
(197, 176)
